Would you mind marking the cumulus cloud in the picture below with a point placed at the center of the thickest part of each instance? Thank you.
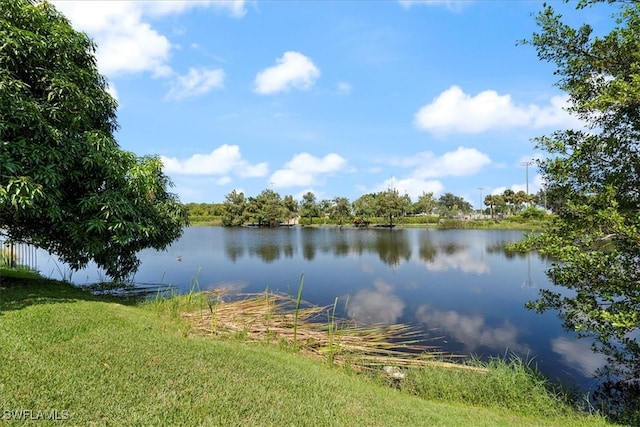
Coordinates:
(196, 82)
(222, 161)
(454, 111)
(461, 162)
(535, 185)
(127, 42)
(293, 70)
(413, 187)
(425, 166)
(304, 170)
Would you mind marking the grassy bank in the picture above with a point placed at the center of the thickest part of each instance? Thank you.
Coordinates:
(99, 361)
(509, 223)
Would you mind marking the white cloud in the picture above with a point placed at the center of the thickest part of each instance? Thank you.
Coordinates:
(196, 82)
(235, 8)
(223, 180)
(126, 41)
(293, 70)
(344, 88)
(414, 187)
(222, 161)
(535, 184)
(304, 170)
(454, 5)
(126, 44)
(461, 162)
(454, 111)
(111, 90)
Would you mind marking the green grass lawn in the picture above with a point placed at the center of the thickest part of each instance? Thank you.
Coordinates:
(99, 361)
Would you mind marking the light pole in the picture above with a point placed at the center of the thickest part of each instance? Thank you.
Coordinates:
(526, 165)
(480, 189)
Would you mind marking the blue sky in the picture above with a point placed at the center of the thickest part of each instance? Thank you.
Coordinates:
(340, 98)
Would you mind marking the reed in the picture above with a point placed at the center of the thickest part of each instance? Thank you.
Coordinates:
(297, 310)
(304, 328)
(331, 329)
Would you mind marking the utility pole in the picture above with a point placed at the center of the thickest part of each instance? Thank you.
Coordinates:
(480, 189)
(526, 165)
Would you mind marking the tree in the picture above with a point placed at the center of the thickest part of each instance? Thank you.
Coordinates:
(492, 200)
(391, 204)
(65, 185)
(309, 208)
(340, 209)
(266, 209)
(366, 206)
(521, 198)
(290, 208)
(509, 198)
(449, 205)
(325, 207)
(595, 173)
(425, 204)
(234, 207)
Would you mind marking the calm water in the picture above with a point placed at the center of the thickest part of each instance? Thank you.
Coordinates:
(458, 286)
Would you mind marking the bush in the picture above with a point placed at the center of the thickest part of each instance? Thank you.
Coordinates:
(533, 213)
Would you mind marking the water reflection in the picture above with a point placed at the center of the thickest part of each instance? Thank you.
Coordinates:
(578, 354)
(472, 331)
(233, 246)
(391, 246)
(378, 305)
(460, 259)
(454, 281)
(528, 283)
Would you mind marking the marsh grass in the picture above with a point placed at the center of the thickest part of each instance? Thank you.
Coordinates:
(315, 331)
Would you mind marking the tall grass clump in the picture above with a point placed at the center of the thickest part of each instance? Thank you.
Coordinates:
(296, 312)
(500, 383)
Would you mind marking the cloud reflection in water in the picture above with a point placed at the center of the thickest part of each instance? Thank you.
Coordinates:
(578, 353)
(471, 330)
(377, 305)
(462, 260)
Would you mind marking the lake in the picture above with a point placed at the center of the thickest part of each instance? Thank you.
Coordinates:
(457, 286)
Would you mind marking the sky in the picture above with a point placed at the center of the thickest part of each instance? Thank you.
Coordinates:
(340, 98)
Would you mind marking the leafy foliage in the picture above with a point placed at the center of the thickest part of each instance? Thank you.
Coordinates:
(65, 185)
(309, 207)
(234, 206)
(450, 204)
(340, 209)
(595, 173)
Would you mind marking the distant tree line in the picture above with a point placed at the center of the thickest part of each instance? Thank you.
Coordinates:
(271, 209)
